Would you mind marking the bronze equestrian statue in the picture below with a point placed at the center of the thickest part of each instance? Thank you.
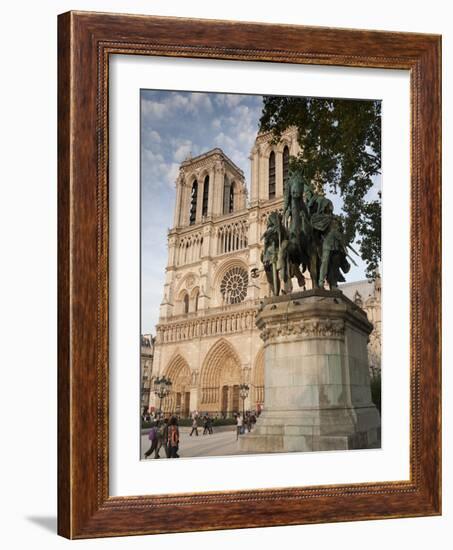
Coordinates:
(307, 236)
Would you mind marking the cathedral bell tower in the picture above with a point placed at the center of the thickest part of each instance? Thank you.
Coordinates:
(208, 187)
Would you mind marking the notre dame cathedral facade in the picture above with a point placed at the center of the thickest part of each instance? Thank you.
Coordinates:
(206, 339)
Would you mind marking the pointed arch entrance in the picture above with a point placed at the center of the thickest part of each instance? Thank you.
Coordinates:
(178, 402)
(220, 378)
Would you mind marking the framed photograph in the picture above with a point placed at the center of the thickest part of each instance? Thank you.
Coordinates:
(249, 275)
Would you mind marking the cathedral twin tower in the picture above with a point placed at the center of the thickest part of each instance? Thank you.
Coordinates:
(206, 339)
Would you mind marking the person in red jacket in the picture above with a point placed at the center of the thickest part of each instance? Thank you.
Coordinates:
(173, 437)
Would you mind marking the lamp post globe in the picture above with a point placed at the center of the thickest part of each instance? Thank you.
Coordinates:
(162, 388)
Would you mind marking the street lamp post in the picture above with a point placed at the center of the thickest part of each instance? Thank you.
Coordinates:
(162, 387)
(243, 392)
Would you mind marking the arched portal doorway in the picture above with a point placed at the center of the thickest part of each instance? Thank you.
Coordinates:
(219, 380)
(178, 402)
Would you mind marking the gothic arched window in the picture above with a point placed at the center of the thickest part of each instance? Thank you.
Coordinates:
(204, 209)
(272, 175)
(193, 203)
(226, 195)
(231, 203)
(186, 303)
(285, 166)
(195, 302)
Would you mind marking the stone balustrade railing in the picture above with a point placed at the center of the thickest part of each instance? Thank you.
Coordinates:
(213, 311)
(209, 325)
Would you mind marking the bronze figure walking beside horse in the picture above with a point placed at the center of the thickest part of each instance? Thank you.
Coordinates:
(307, 236)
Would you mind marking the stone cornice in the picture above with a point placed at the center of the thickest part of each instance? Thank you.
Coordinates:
(305, 328)
(208, 159)
(265, 137)
(309, 314)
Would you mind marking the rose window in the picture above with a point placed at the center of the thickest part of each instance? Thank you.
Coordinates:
(234, 285)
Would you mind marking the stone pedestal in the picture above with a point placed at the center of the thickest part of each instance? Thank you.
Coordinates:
(317, 382)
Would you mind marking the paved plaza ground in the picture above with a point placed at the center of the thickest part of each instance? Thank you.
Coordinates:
(221, 443)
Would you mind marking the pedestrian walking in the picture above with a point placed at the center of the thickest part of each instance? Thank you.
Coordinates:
(209, 425)
(194, 426)
(239, 424)
(173, 437)
(248, 422)
(205, 424)
(162, 436)
(152, 436)
(165, 437)
(253, 419)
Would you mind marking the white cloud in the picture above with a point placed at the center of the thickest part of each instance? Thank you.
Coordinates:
(158, 172)
(219, 99)
(182, 151)
(155, 136)
(172, 171)
(150, 158)
(193, 103)
(154, 109)
(198, 101)
(178, 101)
(223, 140)
(231, 100)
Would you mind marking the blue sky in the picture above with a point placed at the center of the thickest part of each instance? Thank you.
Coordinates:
(173, 126)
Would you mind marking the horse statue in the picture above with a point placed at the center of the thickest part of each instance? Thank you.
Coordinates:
(316, 240)
(303, 246)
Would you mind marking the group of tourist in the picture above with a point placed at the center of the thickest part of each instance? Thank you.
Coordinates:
(207, 425)
(245, 422)
(164, 433)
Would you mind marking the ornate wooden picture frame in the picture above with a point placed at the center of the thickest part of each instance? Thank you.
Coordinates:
(85, 41)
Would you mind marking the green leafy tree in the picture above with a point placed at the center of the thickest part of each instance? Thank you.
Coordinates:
(340, 142)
